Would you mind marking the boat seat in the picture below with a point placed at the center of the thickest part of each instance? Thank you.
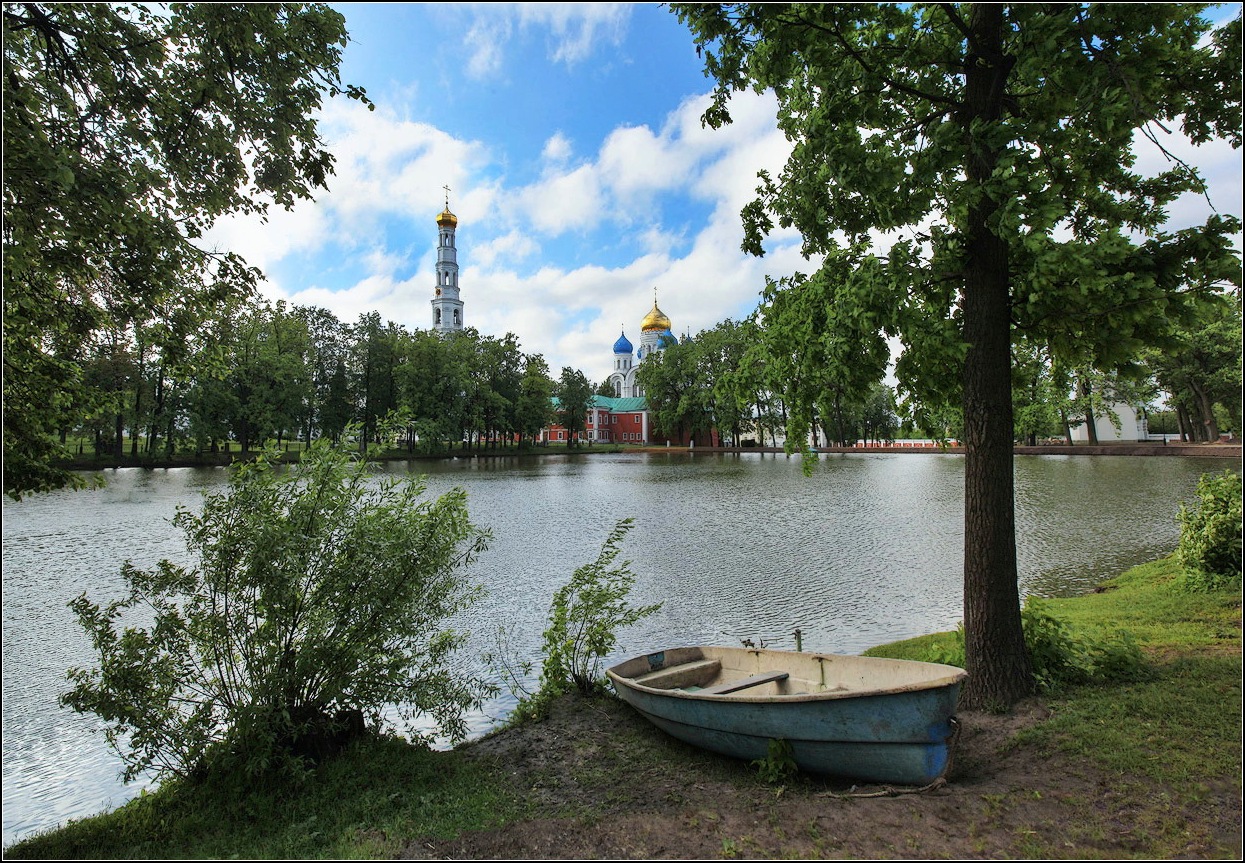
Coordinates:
(678, 676)
(746, 683)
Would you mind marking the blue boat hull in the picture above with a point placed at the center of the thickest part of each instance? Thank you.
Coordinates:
(902, 735)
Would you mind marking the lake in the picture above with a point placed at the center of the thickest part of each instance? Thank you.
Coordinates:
(737, 546)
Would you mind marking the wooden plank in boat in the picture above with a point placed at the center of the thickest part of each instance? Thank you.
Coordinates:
(746, 683)
(677, 676)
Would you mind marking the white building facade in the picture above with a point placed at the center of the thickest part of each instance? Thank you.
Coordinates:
(447, 306)
(1133, 426)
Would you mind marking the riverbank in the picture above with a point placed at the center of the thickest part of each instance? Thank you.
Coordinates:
(1148, 769)
(204, 460)
(1204, 450)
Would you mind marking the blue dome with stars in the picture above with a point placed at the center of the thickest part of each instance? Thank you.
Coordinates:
(622, 346)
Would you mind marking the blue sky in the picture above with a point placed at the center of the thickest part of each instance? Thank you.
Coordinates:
(570, 138)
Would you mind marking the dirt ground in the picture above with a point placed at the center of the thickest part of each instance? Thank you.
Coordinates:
(598, 770)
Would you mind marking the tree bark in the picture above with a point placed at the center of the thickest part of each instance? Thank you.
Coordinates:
(1000, 672)
(1091, 421)
(1207, 409)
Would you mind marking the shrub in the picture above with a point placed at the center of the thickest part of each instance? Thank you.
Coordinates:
(319, 598)
(582, 628)
(1210, 534)
(778, 765)
(1061, 656)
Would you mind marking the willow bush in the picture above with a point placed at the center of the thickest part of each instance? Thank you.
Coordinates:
(321, 597)
(582, 628)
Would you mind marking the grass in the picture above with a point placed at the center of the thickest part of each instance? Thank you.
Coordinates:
(365, 804)
(1171, 739)
(1182, 723)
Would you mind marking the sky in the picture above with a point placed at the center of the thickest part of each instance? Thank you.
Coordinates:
(585, 187)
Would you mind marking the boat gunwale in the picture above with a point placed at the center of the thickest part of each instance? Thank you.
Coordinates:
(955, 676)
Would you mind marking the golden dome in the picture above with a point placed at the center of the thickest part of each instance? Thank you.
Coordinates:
(447, 218)
(655, 320)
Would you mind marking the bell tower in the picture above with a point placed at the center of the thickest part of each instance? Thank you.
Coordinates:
(447, 308)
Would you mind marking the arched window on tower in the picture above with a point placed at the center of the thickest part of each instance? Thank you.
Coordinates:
(436, 317)
(457, 319)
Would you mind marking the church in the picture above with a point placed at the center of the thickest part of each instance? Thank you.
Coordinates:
(623, 418)
(655, 334)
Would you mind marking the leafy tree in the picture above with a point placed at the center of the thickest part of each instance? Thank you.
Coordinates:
(320, 596)
(534, 410)
(329, 350)
(1036, 396)
(720, 355)
(1204, 370)
(1098, 393)
(992, 146)
(128, 129)
(377, 357)
(678, 396)
(574, 395)
(502, 368)
(432, 383)
(878, 418)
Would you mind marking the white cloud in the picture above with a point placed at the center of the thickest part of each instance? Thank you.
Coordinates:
(388, 167)
(484, 41)
(1217, 162)
(557, 148)
(569, 201)
(573, 31)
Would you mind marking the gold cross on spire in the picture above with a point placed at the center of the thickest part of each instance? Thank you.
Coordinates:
(447, 198)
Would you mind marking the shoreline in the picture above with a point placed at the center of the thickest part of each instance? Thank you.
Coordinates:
(1206, 450)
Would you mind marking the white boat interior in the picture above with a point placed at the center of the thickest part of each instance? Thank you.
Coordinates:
(743, 673)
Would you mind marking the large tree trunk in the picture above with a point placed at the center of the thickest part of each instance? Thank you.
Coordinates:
(1091, 421)
(1207, 409)
(1000, 672)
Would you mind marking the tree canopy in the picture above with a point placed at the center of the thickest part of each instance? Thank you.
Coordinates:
(965, 176)
(128, 129)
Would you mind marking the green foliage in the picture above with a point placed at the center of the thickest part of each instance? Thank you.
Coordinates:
(129, 128)
(991, 147)
(1180, 727)
(1210, 534)
(584, 618)
(574, 395)
(319, 597)
(778, 765)
(1060, 654)
(534, 405)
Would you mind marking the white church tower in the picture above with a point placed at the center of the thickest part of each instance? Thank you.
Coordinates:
(447, 308)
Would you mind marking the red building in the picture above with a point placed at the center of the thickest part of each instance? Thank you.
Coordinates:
(620, 420)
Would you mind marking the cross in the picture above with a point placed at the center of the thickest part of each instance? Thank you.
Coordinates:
(447, 196)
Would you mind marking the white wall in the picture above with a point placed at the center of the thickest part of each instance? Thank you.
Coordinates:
(1132, 426)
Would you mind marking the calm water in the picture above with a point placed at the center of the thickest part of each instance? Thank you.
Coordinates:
(865, 551)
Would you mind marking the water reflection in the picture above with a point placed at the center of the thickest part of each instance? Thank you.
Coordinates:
(866, 550)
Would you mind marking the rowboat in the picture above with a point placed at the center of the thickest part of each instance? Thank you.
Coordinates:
(877, 720)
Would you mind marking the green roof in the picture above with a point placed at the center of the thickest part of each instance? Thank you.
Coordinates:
(610, 403)
(628, 404)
